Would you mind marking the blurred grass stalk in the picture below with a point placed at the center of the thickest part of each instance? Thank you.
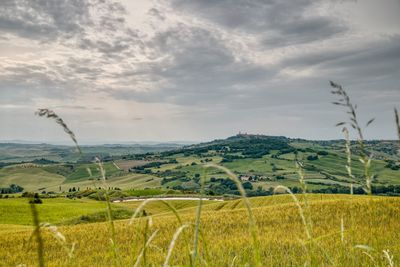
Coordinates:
(198, 218)
(37, 234)
(109, 212)
(365, 158)
(252, 222)
(47, 113)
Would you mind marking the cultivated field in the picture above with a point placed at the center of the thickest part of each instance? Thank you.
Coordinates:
(344, 231)
(127, 164)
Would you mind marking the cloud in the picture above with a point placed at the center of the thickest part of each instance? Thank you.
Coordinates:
(199, 69)
(276, 22)
(194, 61)
(43, 19)
(69, 48)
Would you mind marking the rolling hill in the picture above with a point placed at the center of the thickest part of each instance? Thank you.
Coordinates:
(263, 162)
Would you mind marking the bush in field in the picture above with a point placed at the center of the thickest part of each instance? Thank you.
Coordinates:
(13, 188)
(36, 199)
(312, 157)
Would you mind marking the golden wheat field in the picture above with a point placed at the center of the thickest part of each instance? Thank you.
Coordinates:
(345, 231)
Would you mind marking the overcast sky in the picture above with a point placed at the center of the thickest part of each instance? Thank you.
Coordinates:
(195, 69)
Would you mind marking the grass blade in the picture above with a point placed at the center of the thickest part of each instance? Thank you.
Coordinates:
(37, 234)
(252, 222)
(172, 244)
(144, 248)
(44, 112)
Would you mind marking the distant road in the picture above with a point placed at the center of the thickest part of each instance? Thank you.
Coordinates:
(166, 198)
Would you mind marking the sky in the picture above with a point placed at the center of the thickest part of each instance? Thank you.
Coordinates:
(196, 70)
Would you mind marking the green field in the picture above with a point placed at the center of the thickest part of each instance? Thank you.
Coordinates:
(31, 178)
(269, 161)
(62, 210)
(45, 178)
(54, 211)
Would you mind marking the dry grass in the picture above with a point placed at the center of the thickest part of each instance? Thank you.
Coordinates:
(370, 221)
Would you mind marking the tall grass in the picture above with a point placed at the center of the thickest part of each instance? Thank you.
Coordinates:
(365, 157)
(397, 121)
(37, 235)
(44, 112)
(50, 114)
(177, 233)
(348, 153)
(147, 242)
(198, 217)
(252, 222)
(305, 213)
(172, 244)
(47, 113)
(109, 212)
(61, 239)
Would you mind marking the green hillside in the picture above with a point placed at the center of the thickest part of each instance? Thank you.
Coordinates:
(262, 162)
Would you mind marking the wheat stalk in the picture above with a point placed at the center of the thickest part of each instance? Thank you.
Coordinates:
(172, 244)
(388, 257)
(300, 208)
(44, 112)
(60, 239)
(144, 248)
(252, 222)
(365, 159)
(109, 210)
(198, 217)
(396, 115)
(37, 234)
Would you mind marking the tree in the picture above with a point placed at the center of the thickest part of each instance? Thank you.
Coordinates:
(247, 185)
(295, 190)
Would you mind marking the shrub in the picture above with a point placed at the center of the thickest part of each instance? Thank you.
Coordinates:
(312, 157)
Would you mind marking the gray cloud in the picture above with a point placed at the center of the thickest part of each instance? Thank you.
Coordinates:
(227, 65)
(204, 70)
(277, 22)
(94, 25)
(200, 69)
(88, 38)
(43, 19)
